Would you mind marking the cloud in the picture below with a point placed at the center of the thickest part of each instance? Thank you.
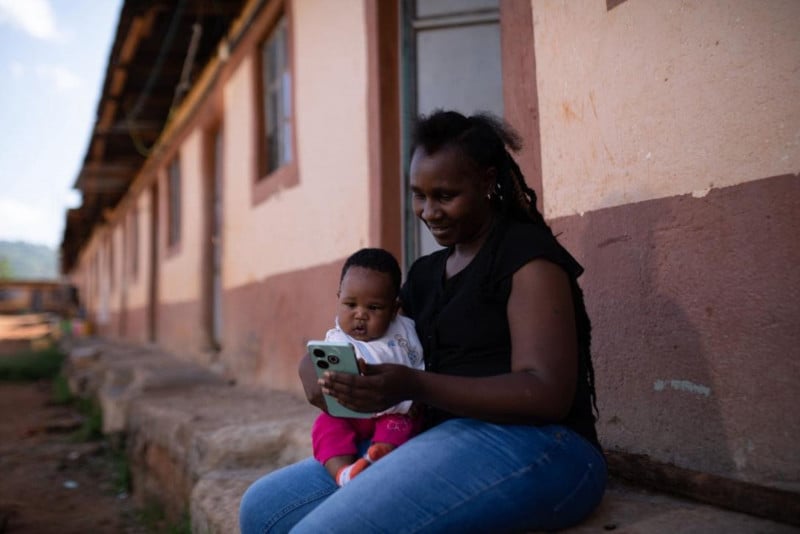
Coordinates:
(17, 70)
(26, 222)
(60, 76)
(34, 17)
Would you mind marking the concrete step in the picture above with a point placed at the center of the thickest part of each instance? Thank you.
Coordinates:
(175, 437)
(625, 509)
(196, 443)
(215, 499)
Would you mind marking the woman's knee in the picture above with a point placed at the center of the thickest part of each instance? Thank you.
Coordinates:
(274, 503)
(251, 507)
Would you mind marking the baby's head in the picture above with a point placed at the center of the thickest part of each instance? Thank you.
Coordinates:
(368, 290)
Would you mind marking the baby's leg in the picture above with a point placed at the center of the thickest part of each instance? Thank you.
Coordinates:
(391, 431)
(395, 429)
(375, 452)
(335, 441)
(336, 464)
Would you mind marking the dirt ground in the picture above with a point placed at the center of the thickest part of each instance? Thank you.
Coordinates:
(49, 482)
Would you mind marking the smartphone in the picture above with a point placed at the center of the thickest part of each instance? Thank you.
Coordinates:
(339, 357)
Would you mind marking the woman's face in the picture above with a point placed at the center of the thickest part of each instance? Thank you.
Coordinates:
(449, 195)
(367, 303)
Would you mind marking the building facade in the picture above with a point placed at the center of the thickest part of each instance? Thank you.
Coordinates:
(663, 138)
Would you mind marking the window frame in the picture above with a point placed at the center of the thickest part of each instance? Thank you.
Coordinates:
(269, 181)
(276, 128)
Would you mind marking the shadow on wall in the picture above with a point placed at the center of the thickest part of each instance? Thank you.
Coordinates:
(267, 324)
(655, 380)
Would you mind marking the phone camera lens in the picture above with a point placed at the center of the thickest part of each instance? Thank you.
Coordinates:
(319, 353)
(322, 364)
(333, 359)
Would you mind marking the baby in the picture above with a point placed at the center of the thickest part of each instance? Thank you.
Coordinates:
(367, 318)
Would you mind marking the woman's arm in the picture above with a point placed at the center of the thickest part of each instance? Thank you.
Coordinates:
(544, 360)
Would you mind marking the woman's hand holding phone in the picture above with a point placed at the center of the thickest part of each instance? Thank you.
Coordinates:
(377, 388)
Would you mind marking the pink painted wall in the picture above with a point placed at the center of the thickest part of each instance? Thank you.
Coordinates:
(669, 154)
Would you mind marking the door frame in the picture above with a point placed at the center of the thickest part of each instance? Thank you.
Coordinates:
(211, 256)
(520, 101)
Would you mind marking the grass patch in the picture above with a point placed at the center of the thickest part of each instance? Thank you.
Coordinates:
(92, 427)
(31, 365)
(183, 526)
(123, 480)
(154, 519)
(61, 392)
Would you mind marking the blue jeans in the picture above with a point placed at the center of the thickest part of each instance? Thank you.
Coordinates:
(462, 476)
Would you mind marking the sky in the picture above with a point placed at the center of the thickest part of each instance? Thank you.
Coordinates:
(53, 56)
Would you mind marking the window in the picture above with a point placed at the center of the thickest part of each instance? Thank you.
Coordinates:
(276, 128)
(174, 203)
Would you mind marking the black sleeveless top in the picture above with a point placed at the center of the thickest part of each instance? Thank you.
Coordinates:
(462, 321)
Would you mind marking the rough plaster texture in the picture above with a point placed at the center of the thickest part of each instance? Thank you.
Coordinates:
(327, 212)
(216, 497)
(323, 217)
(96, 293)
(179, 272)
(659, 98)
(95, 289)
(268, 323)
(695, 306)
(137, 283)
(180, 329)
(183, 433)
(183, 422)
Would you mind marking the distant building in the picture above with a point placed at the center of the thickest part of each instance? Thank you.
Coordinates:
(38, 296)
(242, 150)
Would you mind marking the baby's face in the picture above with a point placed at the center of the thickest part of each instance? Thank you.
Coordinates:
(367, 303)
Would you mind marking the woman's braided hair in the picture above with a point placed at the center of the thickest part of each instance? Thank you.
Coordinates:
(486, 140)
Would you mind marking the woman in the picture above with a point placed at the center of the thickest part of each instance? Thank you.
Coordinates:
(508, 388)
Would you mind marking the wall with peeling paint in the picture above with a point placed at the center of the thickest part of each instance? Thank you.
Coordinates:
(655, 99)
(670, 142)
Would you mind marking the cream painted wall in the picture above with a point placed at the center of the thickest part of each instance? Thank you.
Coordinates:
(84, 275)
(137, 285)
(116, 259)
(656, 98)
(96, 255)
(180, 275)
(303, 226)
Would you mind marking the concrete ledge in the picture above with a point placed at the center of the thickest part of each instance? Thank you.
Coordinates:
(631, 510)
(182, 422)
(195, 443)
(215, 500)
(175, 437)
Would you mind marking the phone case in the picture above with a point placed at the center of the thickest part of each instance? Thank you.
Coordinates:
(339, 357)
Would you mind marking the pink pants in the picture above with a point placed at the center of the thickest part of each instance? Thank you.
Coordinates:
(339, 436)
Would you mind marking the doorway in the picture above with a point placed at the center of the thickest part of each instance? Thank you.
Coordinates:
(212, 256)
(451, 60)
(152, 300)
